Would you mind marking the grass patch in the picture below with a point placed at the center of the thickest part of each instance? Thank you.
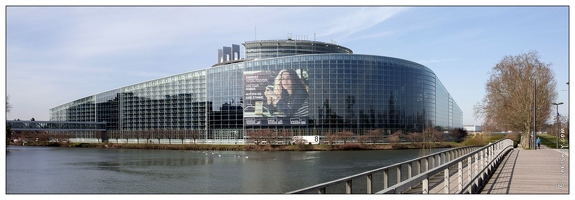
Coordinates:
(475, 140)
(551, 141)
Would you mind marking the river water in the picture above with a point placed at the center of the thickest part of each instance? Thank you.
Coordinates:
(56, 170)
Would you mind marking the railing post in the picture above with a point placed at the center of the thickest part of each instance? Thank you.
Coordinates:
(409, 166)
(418, 169)
(476, 169)
(348, 187)
(469, 168)
(489, 159)
(440, 158)
(482, 158)
(368, 184)
(455, 154)
(398, 169)
(425, 186)
(446, 180)
(483, 164)
(459, 175)
(385, 178)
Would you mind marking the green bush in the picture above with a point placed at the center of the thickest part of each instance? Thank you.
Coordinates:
(477, 140)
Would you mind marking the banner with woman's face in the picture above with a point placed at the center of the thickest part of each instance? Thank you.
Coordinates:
(275, 97)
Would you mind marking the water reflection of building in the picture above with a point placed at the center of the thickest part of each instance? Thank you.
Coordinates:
(346, 92)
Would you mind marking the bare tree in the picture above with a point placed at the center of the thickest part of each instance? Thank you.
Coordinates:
(181, 134)
(345, 136)
(8, 131)
(300, 141)
(428, 139)
(195, 135)
(170, 135)
(148, 134)
(161, 134)
(285, 135)
(255, 136)
(8, 105)
(115, 134)
(97, 135)
(127, 135)
(375, 135)
(330, 138)
(362, 139)
(138, 134)
(510, 90)
(414, 138)
(268, 135)
(396, 137)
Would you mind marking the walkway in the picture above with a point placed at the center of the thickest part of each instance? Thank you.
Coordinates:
(531, 172)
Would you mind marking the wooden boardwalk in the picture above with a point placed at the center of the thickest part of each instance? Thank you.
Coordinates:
(436, 184)
(542, 171)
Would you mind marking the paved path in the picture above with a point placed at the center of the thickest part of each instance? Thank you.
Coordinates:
(531, 172)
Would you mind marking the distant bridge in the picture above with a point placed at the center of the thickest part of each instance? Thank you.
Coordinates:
(55, 126)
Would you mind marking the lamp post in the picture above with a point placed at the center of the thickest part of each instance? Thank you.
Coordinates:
(557, 121)
(534, 140)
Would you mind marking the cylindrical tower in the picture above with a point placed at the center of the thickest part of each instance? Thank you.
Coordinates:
(280, 48)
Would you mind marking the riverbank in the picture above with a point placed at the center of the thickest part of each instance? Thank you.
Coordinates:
(250, 147)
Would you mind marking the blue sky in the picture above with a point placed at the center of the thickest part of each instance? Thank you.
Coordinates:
(55, 55)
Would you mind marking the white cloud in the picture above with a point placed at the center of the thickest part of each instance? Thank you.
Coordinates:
(358, 20)
(426, 62)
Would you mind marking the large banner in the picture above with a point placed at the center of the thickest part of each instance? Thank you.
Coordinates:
(276, 97)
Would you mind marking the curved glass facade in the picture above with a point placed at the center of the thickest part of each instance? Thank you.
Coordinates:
(281, 48)
(337, 92)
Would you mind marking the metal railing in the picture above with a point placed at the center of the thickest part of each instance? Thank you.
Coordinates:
(480, 165)
(476, 184)
(404, 177)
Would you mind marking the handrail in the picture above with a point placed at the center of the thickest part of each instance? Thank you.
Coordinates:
(503, 147)
(447, 155)
(478, 180)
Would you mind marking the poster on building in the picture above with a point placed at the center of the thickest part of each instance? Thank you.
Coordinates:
(276, 97)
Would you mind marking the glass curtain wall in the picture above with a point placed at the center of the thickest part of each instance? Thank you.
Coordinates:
(358, 93)
(345, 92)
(225, 99)
(173, 103)
(81, 110)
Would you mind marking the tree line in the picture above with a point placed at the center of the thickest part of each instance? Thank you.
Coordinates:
(257, 137)
(268, 136)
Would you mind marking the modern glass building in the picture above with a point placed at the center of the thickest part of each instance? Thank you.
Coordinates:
(305, 87)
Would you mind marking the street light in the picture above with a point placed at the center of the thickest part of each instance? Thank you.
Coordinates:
(557, 121)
